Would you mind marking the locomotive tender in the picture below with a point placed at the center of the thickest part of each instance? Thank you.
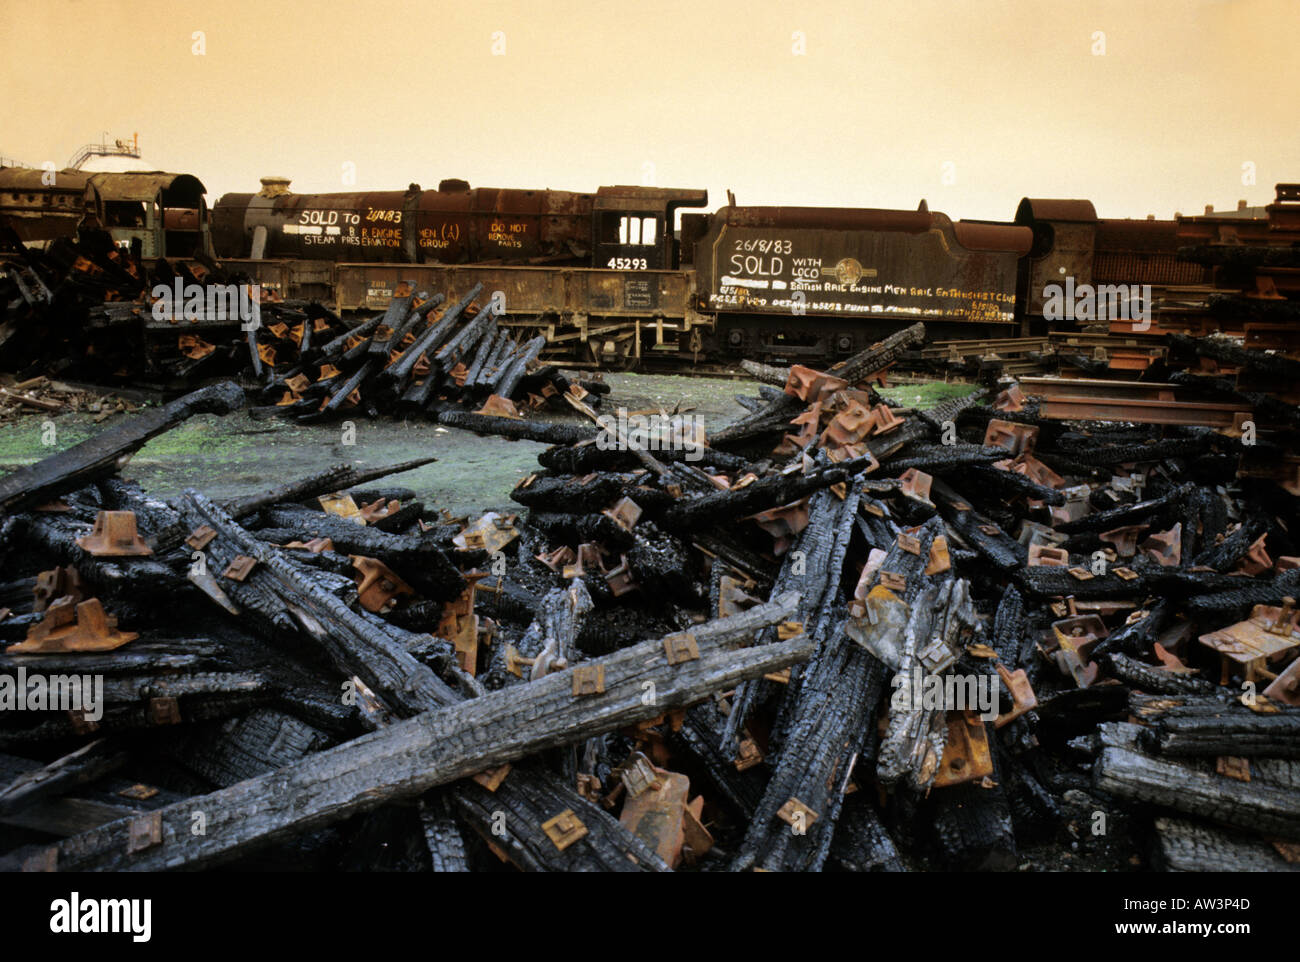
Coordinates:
(610, 278)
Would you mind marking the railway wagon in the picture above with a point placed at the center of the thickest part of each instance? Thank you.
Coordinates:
(788, 283)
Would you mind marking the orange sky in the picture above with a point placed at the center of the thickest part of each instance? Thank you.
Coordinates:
(682, 93)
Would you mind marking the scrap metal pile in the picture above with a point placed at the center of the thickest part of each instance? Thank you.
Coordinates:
(87, 310)
(685, 655)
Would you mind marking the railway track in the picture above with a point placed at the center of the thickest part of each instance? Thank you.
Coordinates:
(1138, 402)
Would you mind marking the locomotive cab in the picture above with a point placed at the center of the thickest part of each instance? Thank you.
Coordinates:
(632, 227)
(167, 213)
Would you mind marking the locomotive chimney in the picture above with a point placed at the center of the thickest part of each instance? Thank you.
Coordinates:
(274, 186)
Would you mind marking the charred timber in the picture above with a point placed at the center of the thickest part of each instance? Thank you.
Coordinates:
(412, 756)
(1173, 784)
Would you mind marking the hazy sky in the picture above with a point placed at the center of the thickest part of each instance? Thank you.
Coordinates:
(971, 104)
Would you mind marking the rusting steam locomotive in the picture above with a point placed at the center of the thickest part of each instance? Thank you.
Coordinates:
(608, 278)
(619, 276)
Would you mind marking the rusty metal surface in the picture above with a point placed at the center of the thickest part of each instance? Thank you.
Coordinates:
(629, 198)
(1046, 208)
(1286, 686)
(39, 212)
(377, 584)
(966, 755)
(980, 236)
(114, 536)
(564, 829)
(1142, 252)
(1070, 241)
(1269, 631)
(840, 262)
(553, 296)
(656, 815)
(1136, 402)
(460, 625)
(448, 225)
(69, 625)
(147, 186)
(491, 532)
(825, 218)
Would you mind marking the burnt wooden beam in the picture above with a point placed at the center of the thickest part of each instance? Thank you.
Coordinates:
(1173, 784)
(1152, 511)
(825, 715)
(261, 741)
(142, 703)
(815, 576)
(507, 379)
(879, 355)
(540, 431)
(972, 826)
(861, 842)
(101, 455)
(994, 545)
(1138, 674)
(486, 348)
(1008, 484)
(1235, 603)
(395, 316)
(1047, 581)
(51, 536)
(412, 756)
(766, 373)
(1209, 725)
(708, 510)
(86, 764)
(1186, 845)
(442, 835)
(397, 373)
(585, 456)
(418, 557)
(521, 805)
(143, 656)
(357, 644)
(340, 477)
(940, 609)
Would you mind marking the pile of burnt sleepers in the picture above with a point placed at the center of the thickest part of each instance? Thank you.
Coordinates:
(836, 634)
(90, 311)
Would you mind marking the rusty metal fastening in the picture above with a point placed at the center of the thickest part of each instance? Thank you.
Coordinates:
(114, 536)
(72, 626)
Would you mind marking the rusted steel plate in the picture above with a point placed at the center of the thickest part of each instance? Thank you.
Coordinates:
(72, 626)
(1140, 412)
(452, 224)
(537, 292)
(859, 263)
(1138, 402)
(657, 815)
